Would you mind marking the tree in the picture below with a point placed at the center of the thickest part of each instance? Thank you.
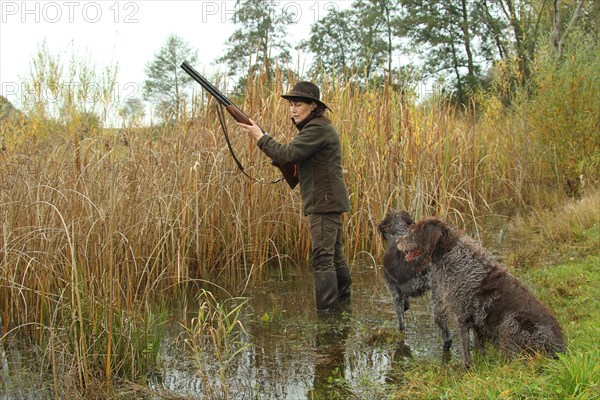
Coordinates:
(452, 39)
(361, 38)
(262, 35)
(166, 81)
(523, 21)
(375, 25)
(132, 112)
(332, 41)
(521, 24)
(558, 34)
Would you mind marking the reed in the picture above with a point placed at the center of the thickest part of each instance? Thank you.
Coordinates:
(214, 338)
(98, 225)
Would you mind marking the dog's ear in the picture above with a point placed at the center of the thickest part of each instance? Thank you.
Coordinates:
(429, 233)
(406, 217)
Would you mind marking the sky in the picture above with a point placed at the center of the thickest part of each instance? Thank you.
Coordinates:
(126, 33)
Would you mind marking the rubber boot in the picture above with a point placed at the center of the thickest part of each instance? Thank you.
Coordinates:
(344, 280)
(326, 290)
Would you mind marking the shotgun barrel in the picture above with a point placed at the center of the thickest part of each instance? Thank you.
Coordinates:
(235, 112)
(288, 170)
(216, 93)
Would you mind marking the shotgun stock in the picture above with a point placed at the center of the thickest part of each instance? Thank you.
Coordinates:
(288, 170)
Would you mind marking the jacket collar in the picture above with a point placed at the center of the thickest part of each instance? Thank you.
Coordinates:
(305, 121)
(311, 118)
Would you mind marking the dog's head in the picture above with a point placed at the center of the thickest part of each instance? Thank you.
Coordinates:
(395, 224)
(426, 239)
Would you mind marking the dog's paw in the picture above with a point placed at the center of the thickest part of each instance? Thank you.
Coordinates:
(447, 344)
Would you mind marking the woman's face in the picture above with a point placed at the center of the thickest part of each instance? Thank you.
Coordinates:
(301, 110)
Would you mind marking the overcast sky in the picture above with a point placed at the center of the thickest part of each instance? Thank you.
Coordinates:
(127, 33)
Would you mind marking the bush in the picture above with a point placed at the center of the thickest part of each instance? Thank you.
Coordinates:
(563, 114)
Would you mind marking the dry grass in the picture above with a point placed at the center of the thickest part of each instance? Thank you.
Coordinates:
(558, 234)
(96, 228)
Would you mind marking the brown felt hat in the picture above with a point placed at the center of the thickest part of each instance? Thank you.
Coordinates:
(305, 91)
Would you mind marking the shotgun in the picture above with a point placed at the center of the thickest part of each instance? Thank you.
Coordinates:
(288, 170)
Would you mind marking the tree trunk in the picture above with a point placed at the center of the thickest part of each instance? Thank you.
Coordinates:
(557, 38)
(495, 31)
(556, 42)
(467, 40)
(389, 39)
(508, 7)
(459, 85)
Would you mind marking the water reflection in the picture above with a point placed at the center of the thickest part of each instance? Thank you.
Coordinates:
(329, 376)
(401, 357)
(298, 354)
(294, 353)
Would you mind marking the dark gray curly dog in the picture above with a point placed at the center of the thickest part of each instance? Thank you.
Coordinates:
(402, 280)
(478, 292)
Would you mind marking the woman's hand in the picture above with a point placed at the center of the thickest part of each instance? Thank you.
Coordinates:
(253, 131)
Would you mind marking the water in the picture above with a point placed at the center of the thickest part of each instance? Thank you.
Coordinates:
(286, 351)
(293, 353)
(290, 353)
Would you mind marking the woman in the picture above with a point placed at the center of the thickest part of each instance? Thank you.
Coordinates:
(317, 152)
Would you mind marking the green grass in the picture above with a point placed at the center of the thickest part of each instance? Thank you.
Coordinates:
(570, 289)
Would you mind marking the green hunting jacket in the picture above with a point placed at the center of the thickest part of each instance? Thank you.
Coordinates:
(318, 154)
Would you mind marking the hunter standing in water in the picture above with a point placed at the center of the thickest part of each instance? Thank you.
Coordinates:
(318, 155)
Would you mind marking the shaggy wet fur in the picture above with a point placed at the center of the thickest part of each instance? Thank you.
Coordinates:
(403, 280)
(482, 297)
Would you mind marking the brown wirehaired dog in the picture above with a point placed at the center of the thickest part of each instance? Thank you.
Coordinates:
(402, 280)
(478, 292)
